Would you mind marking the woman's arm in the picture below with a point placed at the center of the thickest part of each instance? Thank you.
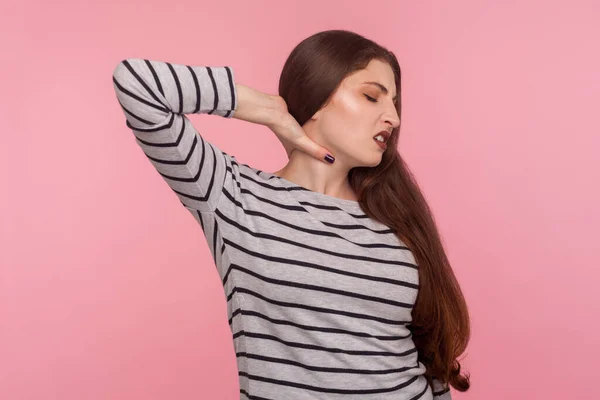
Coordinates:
(154, 96)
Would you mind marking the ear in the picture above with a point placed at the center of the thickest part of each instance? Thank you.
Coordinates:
(320, 111)
(316, 115)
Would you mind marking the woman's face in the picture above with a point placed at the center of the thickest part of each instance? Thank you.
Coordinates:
(347, 124)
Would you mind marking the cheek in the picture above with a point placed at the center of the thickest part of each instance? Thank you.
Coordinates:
(355, 118)
(349, 104)
(345, 121)
(347, 115)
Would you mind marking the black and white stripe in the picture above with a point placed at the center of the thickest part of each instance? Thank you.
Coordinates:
(319, 296)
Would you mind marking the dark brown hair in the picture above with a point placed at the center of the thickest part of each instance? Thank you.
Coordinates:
(390, 194)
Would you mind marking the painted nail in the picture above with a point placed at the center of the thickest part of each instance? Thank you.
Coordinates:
(329, 158)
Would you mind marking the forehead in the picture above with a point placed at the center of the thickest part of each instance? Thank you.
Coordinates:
(377, 71)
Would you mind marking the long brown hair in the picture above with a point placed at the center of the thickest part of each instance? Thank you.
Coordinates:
(390, 194)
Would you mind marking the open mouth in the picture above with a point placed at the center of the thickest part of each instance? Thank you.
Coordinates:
(381, 144)
(381, 138)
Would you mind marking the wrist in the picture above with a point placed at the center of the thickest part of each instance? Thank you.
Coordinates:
(255, 106)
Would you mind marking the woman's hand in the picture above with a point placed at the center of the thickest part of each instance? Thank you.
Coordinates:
(272, 112)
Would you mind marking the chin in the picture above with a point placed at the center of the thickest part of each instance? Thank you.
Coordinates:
(376, 163)
(363, 157)
(371, 161)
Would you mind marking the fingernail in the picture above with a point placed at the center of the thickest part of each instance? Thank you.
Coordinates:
(329, 158)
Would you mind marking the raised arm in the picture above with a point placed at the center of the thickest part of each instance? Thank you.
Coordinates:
(154, 96)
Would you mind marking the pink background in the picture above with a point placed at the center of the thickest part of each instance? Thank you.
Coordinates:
(107, 288)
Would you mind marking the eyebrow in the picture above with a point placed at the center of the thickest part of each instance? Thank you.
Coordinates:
(380, 86)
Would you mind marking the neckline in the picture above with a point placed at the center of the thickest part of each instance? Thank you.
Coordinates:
(342, 203)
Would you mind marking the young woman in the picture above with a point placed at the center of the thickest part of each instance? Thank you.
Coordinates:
(336, 280)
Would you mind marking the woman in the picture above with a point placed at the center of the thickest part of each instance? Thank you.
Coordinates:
(336, 280)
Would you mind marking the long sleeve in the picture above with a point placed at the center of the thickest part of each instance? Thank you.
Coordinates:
(155, 96)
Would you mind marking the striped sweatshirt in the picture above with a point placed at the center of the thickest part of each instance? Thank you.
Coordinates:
(319, 295)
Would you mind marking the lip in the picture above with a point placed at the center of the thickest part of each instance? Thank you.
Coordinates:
(381, 145)
(386, 135)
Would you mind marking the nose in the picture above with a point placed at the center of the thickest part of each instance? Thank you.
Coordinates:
(391, 116)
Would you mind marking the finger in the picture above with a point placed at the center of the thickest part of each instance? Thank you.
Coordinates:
(312, 148)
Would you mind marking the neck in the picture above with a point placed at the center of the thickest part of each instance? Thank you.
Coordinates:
(308, 172)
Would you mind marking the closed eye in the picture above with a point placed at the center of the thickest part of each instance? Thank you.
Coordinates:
(375, 100)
